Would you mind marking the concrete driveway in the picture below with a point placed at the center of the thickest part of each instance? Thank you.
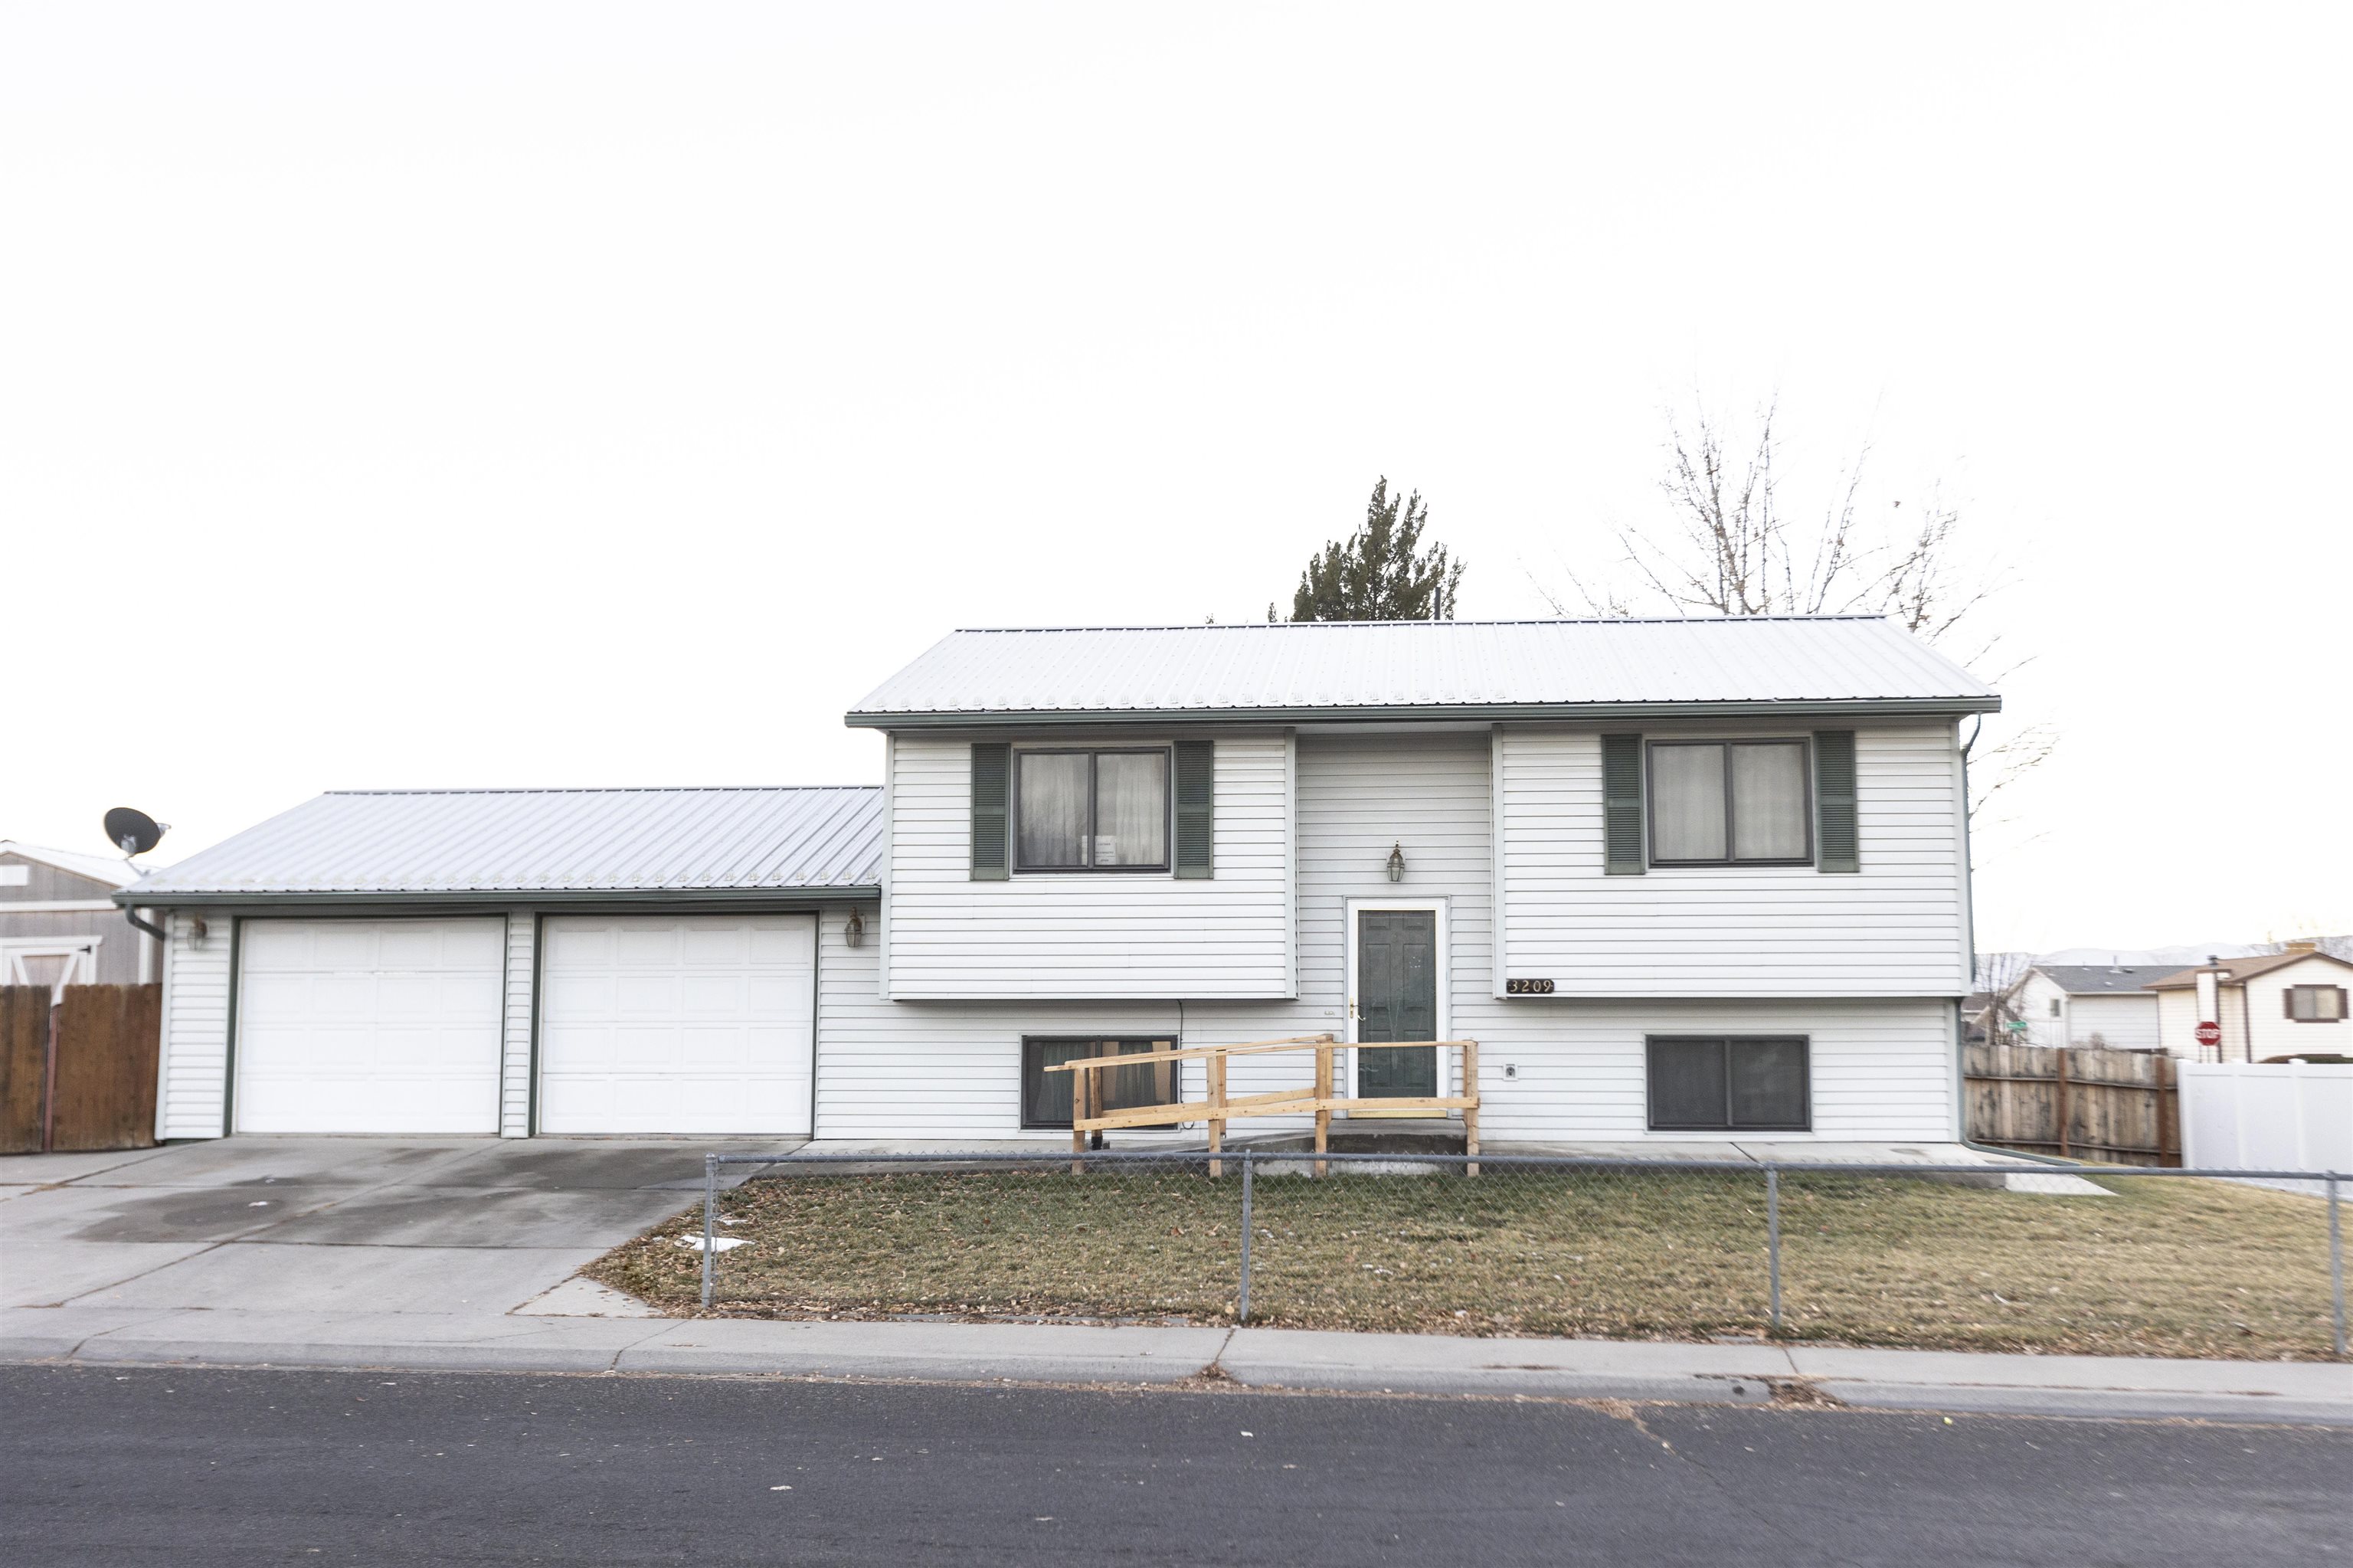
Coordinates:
(328, 1225)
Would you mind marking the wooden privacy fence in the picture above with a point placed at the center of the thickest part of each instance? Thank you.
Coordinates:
(2122, 1108)
(81, 1075)
(1089, 1101)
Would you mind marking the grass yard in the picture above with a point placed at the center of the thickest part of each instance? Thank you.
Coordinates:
(2160, 1268)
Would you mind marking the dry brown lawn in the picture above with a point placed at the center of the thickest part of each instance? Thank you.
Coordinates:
(2162, 1266)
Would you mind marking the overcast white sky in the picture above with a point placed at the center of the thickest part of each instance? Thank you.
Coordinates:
(575, 394)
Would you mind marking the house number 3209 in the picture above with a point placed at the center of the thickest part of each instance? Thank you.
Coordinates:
(1528, 987)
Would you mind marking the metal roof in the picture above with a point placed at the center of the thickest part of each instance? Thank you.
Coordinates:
(574, 843)
(109, 869)
(1435, 669)
(2093, 979)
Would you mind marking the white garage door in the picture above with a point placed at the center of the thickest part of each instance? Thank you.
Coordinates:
(369, 1025)
(697, 1024)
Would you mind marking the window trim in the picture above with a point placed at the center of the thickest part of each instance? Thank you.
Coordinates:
(1805, 744)
(2344, 1013)
(1021, 1089)
(1805, 1043)
(1168, 864)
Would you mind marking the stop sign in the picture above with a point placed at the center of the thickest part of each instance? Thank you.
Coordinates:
(2209, 1033)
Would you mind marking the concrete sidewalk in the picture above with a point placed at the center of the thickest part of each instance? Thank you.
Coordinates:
(1254, 1358)
(459, 1253)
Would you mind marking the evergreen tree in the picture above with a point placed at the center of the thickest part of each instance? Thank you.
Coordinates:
(1381, 572)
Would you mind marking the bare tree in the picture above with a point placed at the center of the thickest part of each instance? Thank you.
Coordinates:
(1726, 546)
(2001, 984)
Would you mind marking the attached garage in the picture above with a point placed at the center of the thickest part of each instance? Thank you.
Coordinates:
(691, 1023)
(592, 962)
(378, 1026)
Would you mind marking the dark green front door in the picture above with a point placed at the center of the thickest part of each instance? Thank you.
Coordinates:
(1396, 999)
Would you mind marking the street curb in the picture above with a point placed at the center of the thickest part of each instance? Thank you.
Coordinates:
(655, 1358)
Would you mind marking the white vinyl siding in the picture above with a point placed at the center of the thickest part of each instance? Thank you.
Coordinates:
(514, 1069)
(1896, 928)
(2123, 1022)
(194, 1069)
(1081, 935)
(1882, 1069)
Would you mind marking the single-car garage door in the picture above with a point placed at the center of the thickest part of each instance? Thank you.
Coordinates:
(384, 1026)
(696, 1023)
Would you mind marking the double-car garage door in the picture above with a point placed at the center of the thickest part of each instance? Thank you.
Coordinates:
(644, 1024)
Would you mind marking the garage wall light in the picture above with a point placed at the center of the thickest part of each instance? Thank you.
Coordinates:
(853, 931)
(1397, 862)
(198, 932)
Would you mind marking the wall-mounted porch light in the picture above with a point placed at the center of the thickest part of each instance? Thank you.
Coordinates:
(197, 931)
(854, 931)
(1397, 862)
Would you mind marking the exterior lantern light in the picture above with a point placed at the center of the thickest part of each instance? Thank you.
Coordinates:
(197, 931)
(1397, 862)
(854, 931)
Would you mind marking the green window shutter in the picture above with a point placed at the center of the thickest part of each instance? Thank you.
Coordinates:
(1196, 807)
(1621, 805)
(992, 764)
(1836, 844)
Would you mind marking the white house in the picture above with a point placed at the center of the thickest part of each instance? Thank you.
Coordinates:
(2278, 1004)
(2094, 1005)
(1680, 879)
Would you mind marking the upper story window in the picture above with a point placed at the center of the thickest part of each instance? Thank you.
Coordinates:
(1740, 802)
(1091, 811)
(2315, 1003)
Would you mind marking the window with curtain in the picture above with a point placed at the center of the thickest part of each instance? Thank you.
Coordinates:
(1046, 1097)
(1091, 811)
(1734, 802)
(2315, 1003)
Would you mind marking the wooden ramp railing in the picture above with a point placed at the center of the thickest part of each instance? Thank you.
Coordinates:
(1088, 1114)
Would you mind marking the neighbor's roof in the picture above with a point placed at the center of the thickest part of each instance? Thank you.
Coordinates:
(109, 869)
(2234, 970)
(573, 843)
(2091, 980)
(1290, 672)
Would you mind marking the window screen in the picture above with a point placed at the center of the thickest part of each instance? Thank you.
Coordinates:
(1716, 1084)
(1046, 1097)
(1100, 810)
(1730, 803)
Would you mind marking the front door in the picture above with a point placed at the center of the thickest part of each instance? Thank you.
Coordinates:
(1396, 999)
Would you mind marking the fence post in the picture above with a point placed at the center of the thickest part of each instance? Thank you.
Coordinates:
(2336, 1265)
(1773, 1238)
(1242, 1312)
(710, 1200)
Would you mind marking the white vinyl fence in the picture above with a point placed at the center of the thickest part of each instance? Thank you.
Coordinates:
(2291, 1116)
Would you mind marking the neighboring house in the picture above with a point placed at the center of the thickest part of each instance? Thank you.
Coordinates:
(2274, 1005)
(58, 922)
(2094, 1005)
(1680, 879)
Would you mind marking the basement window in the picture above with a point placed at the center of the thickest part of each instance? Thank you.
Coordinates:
(1730, 1084)
(1046, 1097)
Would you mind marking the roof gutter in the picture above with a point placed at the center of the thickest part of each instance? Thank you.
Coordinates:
(1483, 713)
(714, 900)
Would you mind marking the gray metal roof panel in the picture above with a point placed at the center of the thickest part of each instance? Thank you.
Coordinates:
(2092, 979)
(1291, 668)
(457, 842)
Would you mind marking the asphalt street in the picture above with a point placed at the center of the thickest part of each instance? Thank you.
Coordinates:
(191, 1466)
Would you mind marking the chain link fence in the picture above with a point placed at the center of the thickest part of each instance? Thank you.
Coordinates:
(2090, 1260)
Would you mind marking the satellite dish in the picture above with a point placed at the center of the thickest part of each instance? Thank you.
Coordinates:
(133, 832)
